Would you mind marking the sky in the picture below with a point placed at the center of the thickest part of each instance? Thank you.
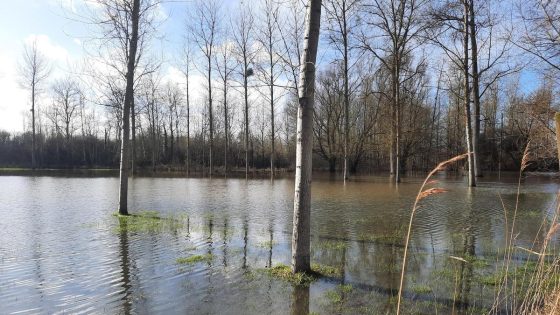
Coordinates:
(60, 38)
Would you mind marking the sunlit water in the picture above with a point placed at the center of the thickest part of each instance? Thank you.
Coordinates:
(63, 251)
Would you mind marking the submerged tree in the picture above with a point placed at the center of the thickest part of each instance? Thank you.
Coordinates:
(400, 24)
(302, 197)
(342, 18)
(243, 37)
(34, 70)
(204, 31)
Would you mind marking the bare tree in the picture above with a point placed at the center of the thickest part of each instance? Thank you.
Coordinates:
(471, 157)
(67, 98)
(187, 60)
(400, 25)
(225, 71)
(341, 15)
(302, 197)
(34, 71)
(269, 39)
(204, 31)
(243, 37)
(541, 32)
(290, 25)
(453, 18)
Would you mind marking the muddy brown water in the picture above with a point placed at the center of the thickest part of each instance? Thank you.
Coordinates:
(63, 251)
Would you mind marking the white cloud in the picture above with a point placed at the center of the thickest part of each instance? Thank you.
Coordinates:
(51, 50)
(14, 103)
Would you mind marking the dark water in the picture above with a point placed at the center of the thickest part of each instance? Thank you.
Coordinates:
(63, 251)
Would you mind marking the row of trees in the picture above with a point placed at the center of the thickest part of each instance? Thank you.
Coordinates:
(383, 102)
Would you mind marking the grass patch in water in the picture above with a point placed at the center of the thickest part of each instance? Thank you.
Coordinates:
(336, 296)
(326, 271)
(147, 221)
(532, 213)
(194, 259)
(285, 273)
(421, 289)
(395, 237)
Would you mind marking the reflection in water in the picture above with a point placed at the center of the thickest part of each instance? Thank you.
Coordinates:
(112, 265)
(270, 242)
(300, 300)
(245, 241)
(225, 236)
(123, 251)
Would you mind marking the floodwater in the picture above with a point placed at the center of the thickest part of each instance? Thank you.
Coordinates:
(63, 251)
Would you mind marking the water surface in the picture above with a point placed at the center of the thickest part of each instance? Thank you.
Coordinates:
(63, 251)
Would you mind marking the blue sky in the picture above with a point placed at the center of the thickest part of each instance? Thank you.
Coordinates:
(60, 40)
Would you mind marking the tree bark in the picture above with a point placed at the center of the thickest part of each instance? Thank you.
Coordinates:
(129, 97)
(471, 174)
(245, 90)
(475, 92)
(187, 153)
(226, 122)
(346, 92)
(557, 120)
(272, 135)
(33, 161)
(133, 153)
(302, 196)
(397, 105)
(210, 114)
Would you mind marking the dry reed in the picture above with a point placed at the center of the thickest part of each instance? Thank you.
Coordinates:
(421, 195)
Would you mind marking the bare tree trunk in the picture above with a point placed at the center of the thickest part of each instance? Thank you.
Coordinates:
(471, 175)
(129, 97)
(211, 116)
(226, 126)
(188, 161)
(346, 92)
(302, 196)
(133, 153)
(33, 162)
(272, 135)
(397, 116)
(246, 121)
(557, 120)
(475, 91)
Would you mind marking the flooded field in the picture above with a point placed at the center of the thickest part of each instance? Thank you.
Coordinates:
(206, 246)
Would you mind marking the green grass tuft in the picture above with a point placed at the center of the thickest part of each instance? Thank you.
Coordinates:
(147, 221)
(326, 271)
(331, 245)
(285, 273)
(194, 259)
(421, 289)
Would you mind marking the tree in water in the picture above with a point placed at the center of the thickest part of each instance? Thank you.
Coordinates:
(302, 197)
(34, 70)
(128, 99)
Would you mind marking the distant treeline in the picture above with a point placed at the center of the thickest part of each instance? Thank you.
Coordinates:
(431, 133)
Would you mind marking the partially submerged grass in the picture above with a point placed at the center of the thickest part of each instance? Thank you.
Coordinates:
(336, 296)
(285, 273)
(392, 237)
(194, 259)
(147, 221)
(421, 289)
(327, 271)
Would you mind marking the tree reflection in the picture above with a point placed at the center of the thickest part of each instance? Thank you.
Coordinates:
(125, 265)
(300, 300)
